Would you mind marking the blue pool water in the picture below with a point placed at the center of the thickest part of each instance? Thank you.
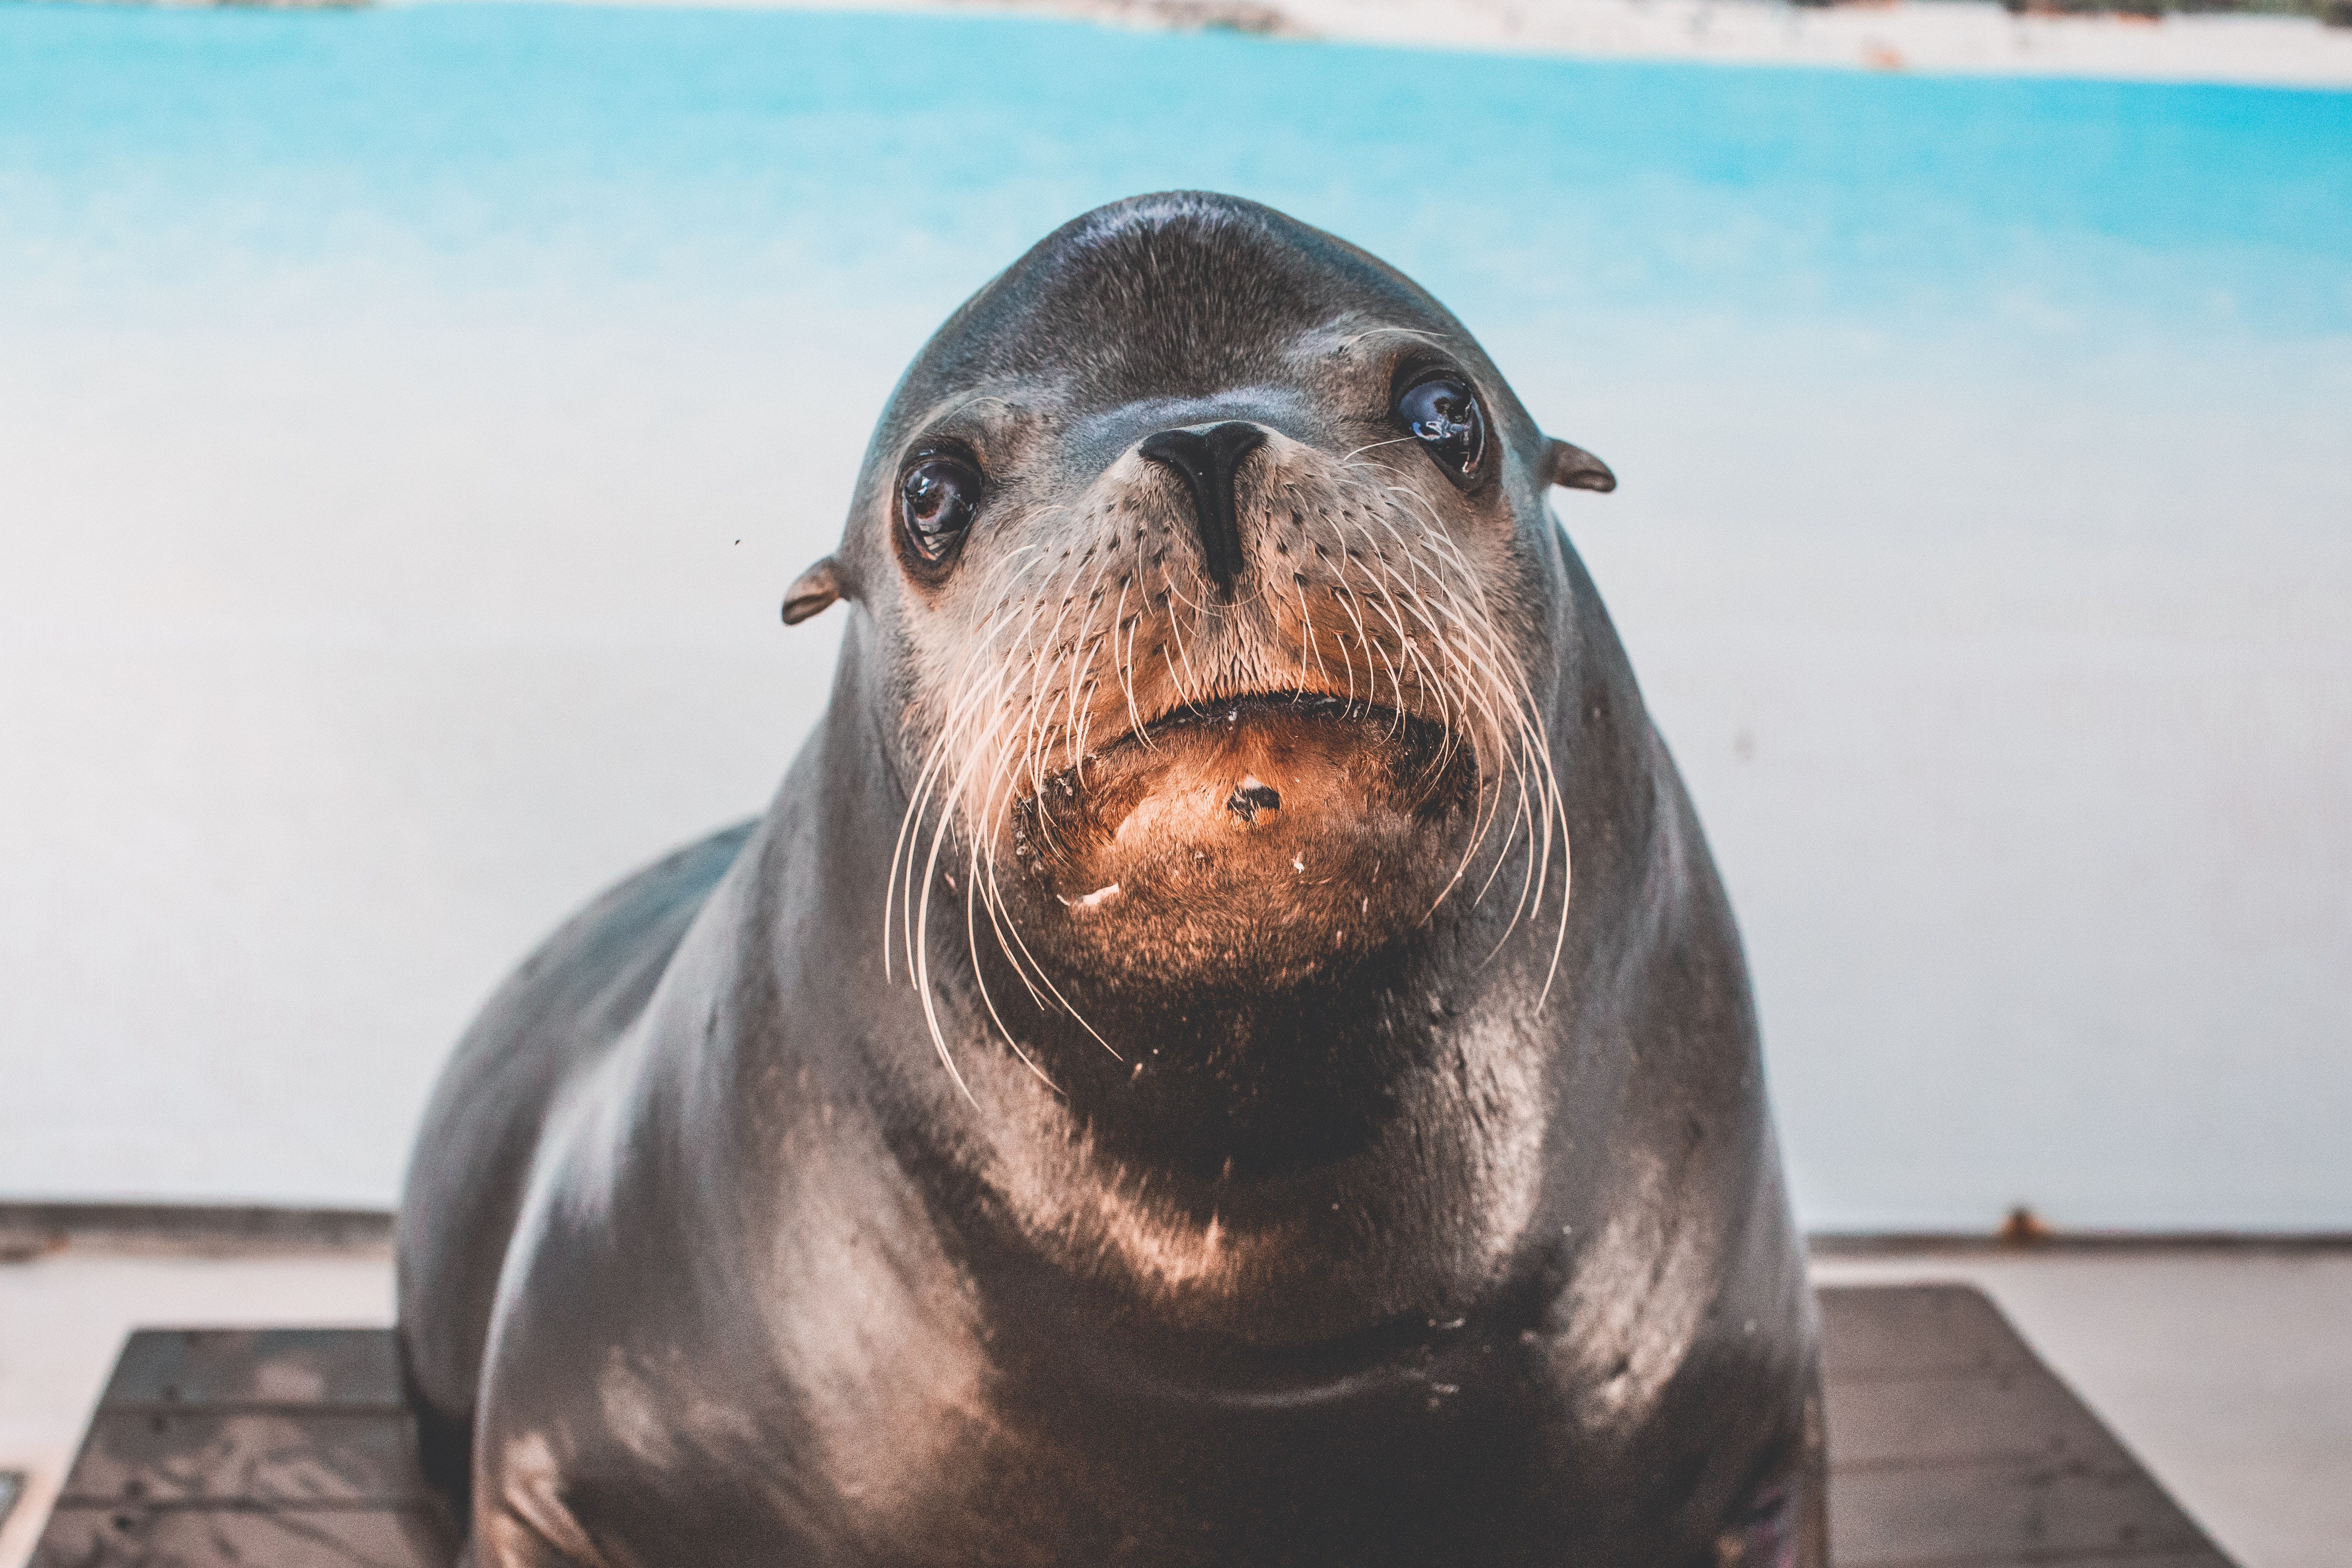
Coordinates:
(731, 149)
(409, 418)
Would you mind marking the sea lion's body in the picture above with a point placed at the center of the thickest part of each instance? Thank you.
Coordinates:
(1293, 1232)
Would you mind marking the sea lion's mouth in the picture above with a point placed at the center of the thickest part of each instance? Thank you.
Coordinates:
(1350, 717)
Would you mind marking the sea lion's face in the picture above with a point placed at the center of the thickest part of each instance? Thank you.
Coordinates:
(1220, 681)
(1215, 560)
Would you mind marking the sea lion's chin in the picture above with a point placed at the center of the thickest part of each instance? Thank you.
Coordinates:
(1248, 845)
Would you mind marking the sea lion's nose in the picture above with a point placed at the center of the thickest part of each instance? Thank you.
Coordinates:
(1208, 456)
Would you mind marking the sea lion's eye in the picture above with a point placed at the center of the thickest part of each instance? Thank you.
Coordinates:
(937, 497)
(1443, 415)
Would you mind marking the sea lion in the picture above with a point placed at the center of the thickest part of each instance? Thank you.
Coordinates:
(1156, 1086)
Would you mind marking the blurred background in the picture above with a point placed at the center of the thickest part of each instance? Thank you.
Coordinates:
(411, 415)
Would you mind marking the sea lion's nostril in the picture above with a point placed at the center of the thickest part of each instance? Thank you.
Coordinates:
(1250, 797)
(1208, 460)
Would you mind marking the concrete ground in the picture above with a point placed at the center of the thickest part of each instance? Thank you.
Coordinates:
(2229, 1372)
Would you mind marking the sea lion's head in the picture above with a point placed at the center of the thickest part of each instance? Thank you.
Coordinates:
(1212, 558)
(1218, 556)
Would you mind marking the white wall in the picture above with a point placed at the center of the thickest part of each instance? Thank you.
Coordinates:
(338, 662)
(2020, 714)
(342, 659)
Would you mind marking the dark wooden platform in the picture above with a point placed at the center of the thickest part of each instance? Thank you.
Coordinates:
(1950, 1445)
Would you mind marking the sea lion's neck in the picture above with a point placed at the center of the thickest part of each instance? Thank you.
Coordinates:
(1245, 1082)
(1281, 1169)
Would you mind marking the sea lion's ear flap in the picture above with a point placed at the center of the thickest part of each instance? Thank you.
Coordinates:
(1576, 468)
(813, 591)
